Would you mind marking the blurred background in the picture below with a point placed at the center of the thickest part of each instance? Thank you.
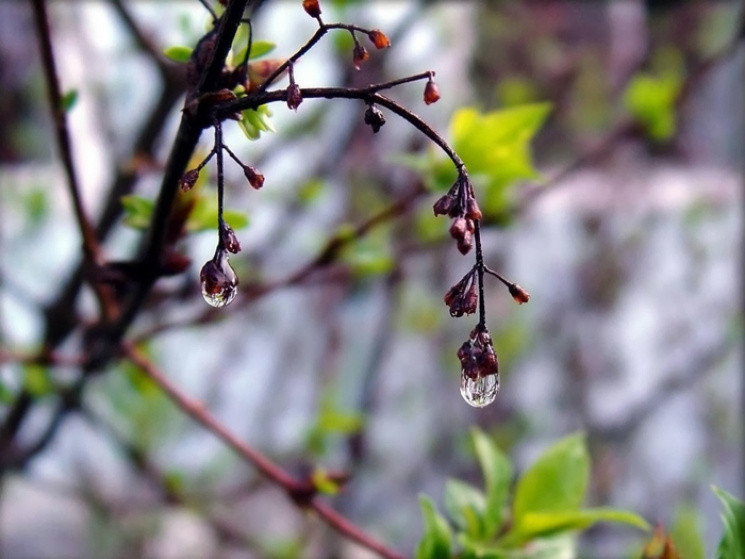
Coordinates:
(628, 237)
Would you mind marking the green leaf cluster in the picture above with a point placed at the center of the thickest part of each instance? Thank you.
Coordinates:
(542, 520)
(650, 99)
(732, 544)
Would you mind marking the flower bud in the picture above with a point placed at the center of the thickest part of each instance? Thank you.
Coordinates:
(458, 228)
(431, 92)
(255, 179)
(519, 294)
(473, 212)
(359, 55)
(374, 118)
(294, 97)
(228, 239)
(465, 243)
(443, 205)
(312, 8)
(379, 39)
(188, 180)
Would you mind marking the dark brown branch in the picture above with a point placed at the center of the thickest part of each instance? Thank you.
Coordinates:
(295, 489)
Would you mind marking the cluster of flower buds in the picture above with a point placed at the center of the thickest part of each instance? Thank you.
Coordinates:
(374, 118)
(477, 356)
(460, 204)
(463, 298)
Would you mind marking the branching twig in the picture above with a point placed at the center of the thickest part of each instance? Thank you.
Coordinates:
(297, 490)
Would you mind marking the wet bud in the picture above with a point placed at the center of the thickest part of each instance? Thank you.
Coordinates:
(473, 211)
(374, 118)
(229, 240)
(452, 294)
(464, 353)
(443, 205)
(431, 92)
(519, 294)
(219, 282)
(379, 39)
(459, 228)
(255, 179)
(312, 8)
(294, 97)
(359, 55)
(470, 300)
(487, 361)
(188, 180)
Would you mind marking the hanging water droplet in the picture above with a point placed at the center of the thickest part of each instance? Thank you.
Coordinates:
(479, 392)
(219, 282)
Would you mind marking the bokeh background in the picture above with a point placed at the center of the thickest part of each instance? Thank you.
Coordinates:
(629, 240)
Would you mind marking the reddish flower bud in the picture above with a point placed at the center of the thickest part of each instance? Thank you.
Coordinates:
(519, 294)
(379, 39)
(312, 8)
(228, 239)
(443, 205)
(465, 244)
(294, 97)
(359, 55)
(473, 211)
(188, 180)
(431, 92)
(458, 228)
(374, 118)
(487, 361)
(255, 179)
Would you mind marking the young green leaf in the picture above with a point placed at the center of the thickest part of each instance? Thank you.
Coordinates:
(137, 211)
(732, 544)
(36, 380)
(651, 101)
(556, 482)
(203, 216)
(436, 541)
(466, 505)
(540, 524)
(68, 100)
(497, 471)
(178, 53)
(685, 533)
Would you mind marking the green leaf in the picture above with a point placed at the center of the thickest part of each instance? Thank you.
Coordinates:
(178, 53)
(495, 147)
(68, 100)
(335, 421)
(260, 48)
(465, 505)
(323, 483)
(497, 471)
(651, 101)
(562, 546)
(435, 543)
(137, 211)
(685, 533)
(732, 544)
(203, 216)
(556, 482)
(36, 380)
(538, 524)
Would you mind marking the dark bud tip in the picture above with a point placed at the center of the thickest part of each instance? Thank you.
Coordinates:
(255, 179)
(359, 55)
(229, 240)
(312, 8)
(443, 205)
(379, 39)
(431, 92)
(519, 294)
(188, 180)
(374, 118)
(294, 97)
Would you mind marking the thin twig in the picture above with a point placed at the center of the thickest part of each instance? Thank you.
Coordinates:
(266, 467)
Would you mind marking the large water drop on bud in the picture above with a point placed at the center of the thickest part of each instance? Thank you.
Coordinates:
(479, 392)
(219, 282)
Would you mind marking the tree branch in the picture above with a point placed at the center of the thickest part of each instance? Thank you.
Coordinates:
(299, 491)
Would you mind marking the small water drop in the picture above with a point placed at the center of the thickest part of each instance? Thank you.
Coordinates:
(479, 392)
(219, 282)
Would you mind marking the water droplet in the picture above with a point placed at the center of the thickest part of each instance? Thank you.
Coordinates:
(479, 392)
(219, 282)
